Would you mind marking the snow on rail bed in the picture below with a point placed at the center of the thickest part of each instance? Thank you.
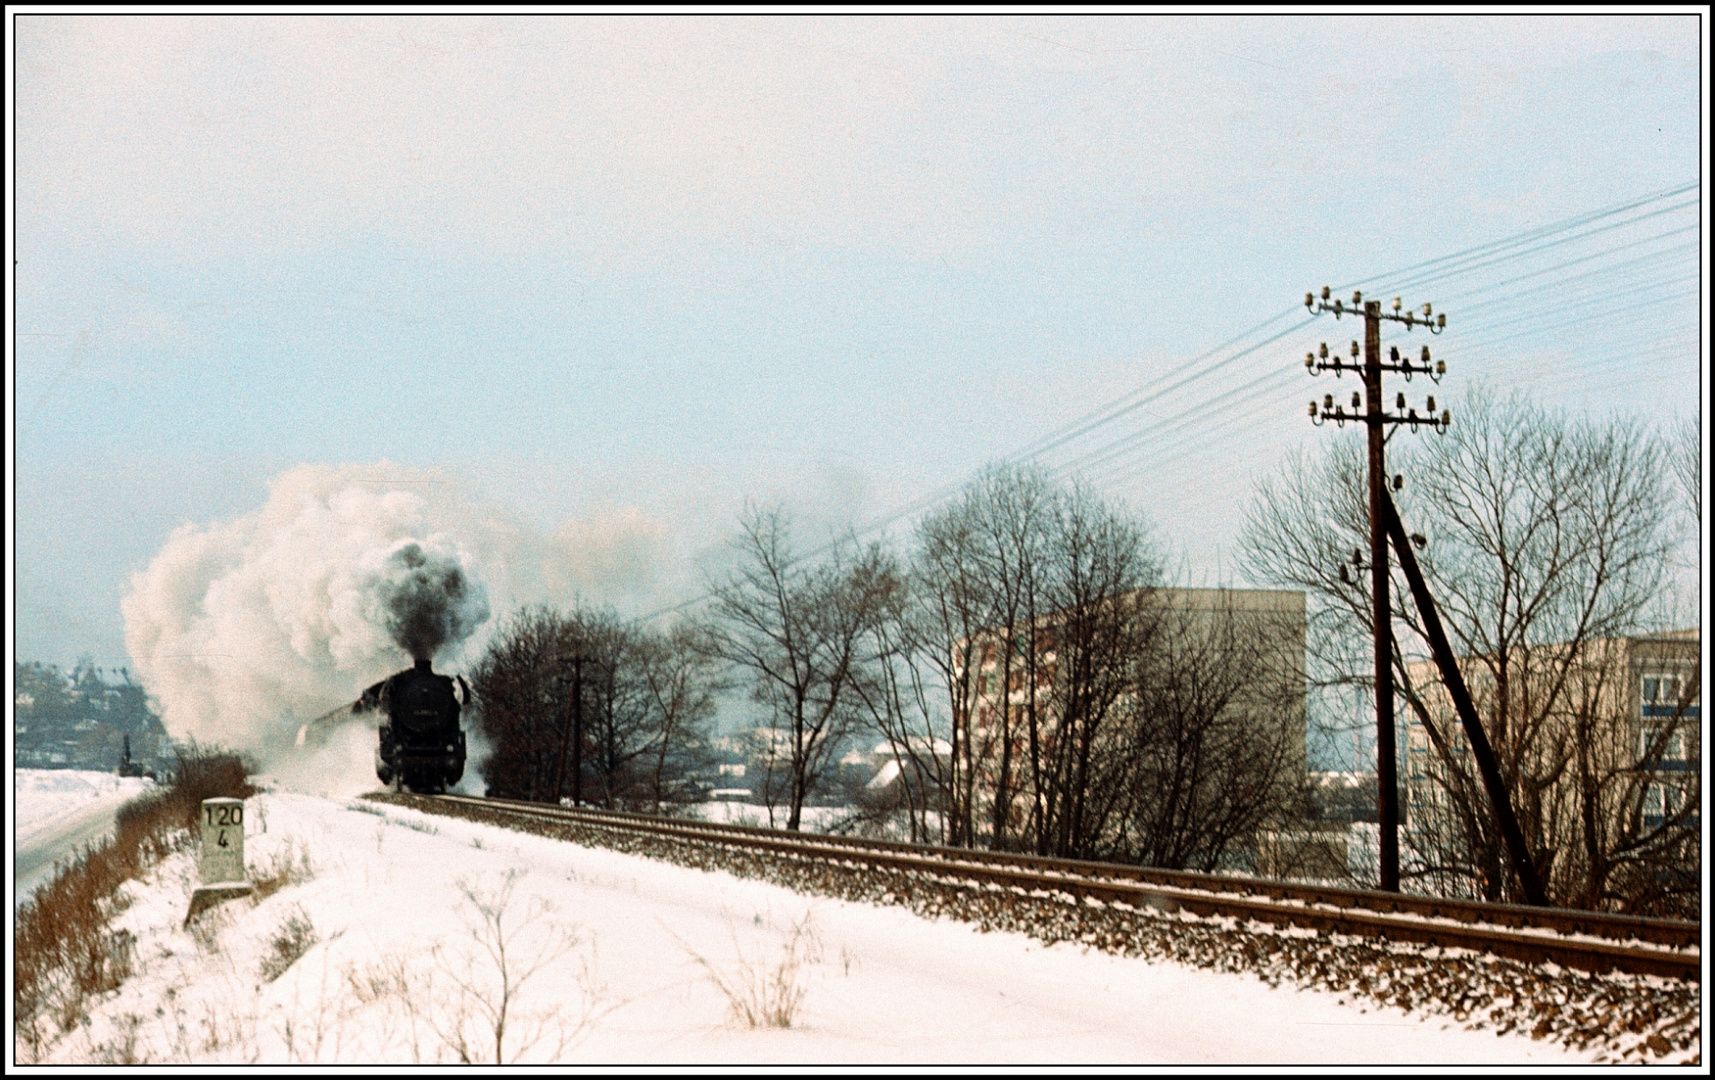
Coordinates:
(386, 953)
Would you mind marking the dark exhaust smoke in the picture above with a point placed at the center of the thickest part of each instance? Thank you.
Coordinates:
(427, 601)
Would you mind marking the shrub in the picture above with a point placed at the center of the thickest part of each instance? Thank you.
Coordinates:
(760, 994)
(64, 950)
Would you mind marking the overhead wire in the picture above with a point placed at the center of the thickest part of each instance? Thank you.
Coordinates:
(1280, 376)
(1582, 259)
(1528, 235)
(1543, 317)
(1174, 435)
(1115, 413)
(1122, 406)
(1413, 283)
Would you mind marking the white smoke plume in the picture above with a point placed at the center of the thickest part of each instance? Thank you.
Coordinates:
(244, 630)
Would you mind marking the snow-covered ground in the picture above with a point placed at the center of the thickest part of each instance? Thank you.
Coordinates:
(55, 813)
(815, 818)
(391, 951)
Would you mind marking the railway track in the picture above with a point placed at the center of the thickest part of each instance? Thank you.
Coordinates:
(1588, 941)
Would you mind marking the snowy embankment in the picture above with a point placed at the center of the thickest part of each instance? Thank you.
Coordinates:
(389, 949)
(55, 813)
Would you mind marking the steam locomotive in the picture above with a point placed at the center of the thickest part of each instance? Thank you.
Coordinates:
(421, 746)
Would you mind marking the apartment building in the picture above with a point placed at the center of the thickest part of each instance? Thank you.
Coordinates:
(1616, 727)
(1236, 657)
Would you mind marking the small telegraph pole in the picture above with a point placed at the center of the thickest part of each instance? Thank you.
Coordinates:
(221, 867)
(1373, 414)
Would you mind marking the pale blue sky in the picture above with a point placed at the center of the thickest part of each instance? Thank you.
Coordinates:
(592, 266)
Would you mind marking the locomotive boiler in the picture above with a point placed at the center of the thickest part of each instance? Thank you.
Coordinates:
(421, 747)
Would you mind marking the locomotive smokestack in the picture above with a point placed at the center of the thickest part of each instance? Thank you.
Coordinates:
(422, 663)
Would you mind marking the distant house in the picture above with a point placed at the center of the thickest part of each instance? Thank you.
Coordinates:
(81, 718)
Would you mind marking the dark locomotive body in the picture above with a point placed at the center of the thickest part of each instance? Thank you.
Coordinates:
(421, 746)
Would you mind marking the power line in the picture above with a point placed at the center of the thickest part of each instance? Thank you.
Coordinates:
(1119, 408)
(1469, 261)
(1530, 234)
(1548, 315)
(1115, 412)
(1416, 283)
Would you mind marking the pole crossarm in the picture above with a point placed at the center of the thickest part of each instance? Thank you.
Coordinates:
(1400, 314)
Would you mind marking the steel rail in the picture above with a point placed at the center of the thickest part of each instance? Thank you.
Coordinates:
(1673, 932)
(1535, 935)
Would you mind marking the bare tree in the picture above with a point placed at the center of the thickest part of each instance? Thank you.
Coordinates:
(1103, 620)
(950, 609)
(1012, 508)
(584, 703)
(615, 709)
(1545, 542)
(1686, 454)
(1030, 608)
(681, 687)
(795, 629)
(1211, 748)
(519, 708)
(893, 688)
(993, 546)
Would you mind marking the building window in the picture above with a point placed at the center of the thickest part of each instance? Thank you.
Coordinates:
(1661, 748)
(1658, 688)
(1662, 697)
(1661, 801)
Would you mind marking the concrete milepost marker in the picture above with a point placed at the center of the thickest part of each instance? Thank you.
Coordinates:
(222, 865)
(222, 841)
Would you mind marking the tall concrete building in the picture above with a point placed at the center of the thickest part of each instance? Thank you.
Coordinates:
(1235, 656)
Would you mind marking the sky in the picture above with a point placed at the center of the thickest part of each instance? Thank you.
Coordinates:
(389, 906)
(589, 284)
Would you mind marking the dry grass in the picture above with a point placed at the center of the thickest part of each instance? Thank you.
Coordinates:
(760, 994)
(64, 949)
(290, 866)
(295, 937)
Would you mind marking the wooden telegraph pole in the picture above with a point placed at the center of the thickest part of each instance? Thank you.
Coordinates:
(1374, 416)
(1385, 523)
(572, 735)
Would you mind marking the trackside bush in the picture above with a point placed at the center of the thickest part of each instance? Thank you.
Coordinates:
(65, 950)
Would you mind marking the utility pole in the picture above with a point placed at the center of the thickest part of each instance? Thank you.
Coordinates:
(1374, 416)
(574, 735)
(578, 730)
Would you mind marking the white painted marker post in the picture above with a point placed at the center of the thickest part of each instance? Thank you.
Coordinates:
(222, 864)
(222, 841)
